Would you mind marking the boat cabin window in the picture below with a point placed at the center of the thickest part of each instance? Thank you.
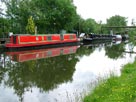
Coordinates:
(14, 39)
(71, 37)
(49, 38)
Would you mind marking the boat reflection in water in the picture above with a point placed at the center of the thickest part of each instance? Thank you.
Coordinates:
(43, 70)
(28, 55)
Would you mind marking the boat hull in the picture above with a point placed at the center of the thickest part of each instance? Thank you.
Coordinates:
(97, 37)
(41, 46)
(21, 41)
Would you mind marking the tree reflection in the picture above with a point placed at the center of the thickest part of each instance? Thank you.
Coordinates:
(115, 51)
(85, 50)
(46, 74)
(89, 48)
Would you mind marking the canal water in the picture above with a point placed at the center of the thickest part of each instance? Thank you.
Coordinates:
(63, 74)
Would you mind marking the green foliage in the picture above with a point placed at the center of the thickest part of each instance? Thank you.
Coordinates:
(132, 35)
(4, 27)
(17, 12)
(117, 21)
(54, 15)
(85, 50)
(30, 28)
(50, 16)
(79, 24)
(89, 26)
(115, 51)
(45, 74)
(116, 89)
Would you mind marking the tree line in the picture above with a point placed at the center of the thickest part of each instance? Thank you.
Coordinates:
(50, 16)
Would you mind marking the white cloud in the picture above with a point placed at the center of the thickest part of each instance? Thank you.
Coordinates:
(3, 7)
(103, 9)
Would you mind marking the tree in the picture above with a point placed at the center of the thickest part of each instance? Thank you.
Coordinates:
(56, 15)
(4, 27)
(117, 21)
(30, 28)
(90, 26)
(49, 15)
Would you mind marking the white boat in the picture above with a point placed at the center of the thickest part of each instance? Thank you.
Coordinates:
(117, 37)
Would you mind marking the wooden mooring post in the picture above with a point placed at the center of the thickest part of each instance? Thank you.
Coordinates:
(4, 40)
(2, 45)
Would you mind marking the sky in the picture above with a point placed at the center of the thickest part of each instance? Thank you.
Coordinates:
(2, 6)
(104, 9)
(100, 10)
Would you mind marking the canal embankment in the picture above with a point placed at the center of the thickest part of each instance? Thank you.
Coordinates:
(116, 89)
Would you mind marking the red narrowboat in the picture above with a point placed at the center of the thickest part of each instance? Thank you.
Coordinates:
(18, 41)
(21, 56)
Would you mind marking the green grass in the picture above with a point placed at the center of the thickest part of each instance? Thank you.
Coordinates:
(116, 89)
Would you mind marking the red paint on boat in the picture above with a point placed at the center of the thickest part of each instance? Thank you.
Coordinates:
(36, 40)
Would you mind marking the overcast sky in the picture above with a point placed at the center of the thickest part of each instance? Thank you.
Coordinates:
(103, 9)
(2, 5)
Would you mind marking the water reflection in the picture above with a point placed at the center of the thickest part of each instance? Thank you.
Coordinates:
(115, 51)
(44, 73)
(21, 56)
(58, 74)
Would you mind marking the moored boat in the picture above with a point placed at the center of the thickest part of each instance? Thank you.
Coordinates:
(125, 37)
(117, 37)
(96, 37)
(26, 40)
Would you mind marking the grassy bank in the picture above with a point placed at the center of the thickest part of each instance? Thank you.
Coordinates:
(116, 89)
